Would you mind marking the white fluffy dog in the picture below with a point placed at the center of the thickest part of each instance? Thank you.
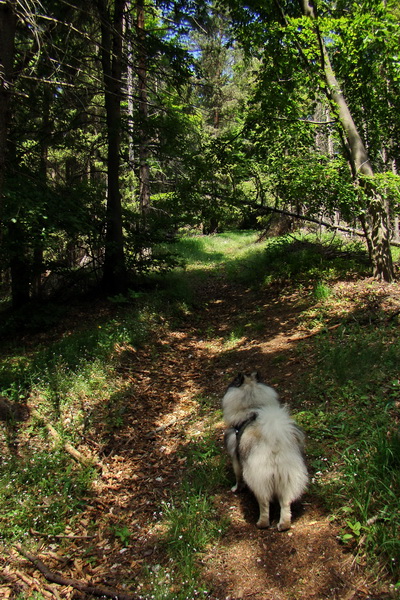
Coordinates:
(265, 445)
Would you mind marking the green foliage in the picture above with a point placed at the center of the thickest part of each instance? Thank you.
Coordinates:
(317, 182)
(321, 291)
(371, 479)
(123, 533)
(40, 491)
(365, 44)
(191, 524)
(146, 247)
(233, 121)
(306, 259)
(353, 440)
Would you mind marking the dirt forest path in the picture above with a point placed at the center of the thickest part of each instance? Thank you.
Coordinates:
(233, 328)
(172, 385)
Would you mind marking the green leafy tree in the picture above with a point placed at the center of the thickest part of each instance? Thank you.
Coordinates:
(296, 44)
(53, 142)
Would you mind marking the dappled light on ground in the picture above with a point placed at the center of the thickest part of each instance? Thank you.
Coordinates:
(170, 405)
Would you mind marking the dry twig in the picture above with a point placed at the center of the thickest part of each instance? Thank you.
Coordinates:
(81, 586)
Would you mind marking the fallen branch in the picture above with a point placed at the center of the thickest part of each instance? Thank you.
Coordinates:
(81, 586)
(323, 330)
(78, 456)
(60, 536)
(288, 213)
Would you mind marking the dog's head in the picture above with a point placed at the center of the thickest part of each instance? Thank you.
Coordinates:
(242, 378)
(245, 395)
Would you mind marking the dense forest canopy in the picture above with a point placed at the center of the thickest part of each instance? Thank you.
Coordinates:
(122, 122)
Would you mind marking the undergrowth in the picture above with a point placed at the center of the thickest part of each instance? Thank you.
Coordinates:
(192, 524)
(352, 395)
(71, 385)
(349, 399)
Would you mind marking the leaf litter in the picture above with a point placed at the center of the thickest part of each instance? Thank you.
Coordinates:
(120, 531)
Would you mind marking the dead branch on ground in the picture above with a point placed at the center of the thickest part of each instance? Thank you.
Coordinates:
(78, 456)
(81, 586)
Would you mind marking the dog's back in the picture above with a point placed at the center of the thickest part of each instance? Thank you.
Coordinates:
(272, 460)
(265, 445)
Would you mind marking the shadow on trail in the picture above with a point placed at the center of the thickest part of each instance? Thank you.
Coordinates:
(144, 431)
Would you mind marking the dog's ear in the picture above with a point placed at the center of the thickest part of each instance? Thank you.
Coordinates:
(256, 376)
(238, 381)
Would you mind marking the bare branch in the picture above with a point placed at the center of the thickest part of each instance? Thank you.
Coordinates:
(81, 586)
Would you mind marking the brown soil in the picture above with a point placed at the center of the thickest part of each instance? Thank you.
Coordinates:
(233, 329)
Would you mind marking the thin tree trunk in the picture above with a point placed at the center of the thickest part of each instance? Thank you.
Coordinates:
(7, 44)
(130, 84)
(144, 151)
(19, 265)
(375, 223)
(114, 274)
(16, 236)
(38, 249)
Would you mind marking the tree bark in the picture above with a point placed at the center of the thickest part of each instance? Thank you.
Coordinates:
(144, 152)
(7, 43)
(114, 273)
(375, 222)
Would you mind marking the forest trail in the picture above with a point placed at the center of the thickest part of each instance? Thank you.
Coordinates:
(174, 384)
(233, 328)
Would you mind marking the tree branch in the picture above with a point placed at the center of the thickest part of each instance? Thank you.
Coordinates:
(81, 586)
(78, 456)
(288, 213)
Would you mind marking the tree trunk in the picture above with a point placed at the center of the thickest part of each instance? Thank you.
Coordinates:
(7, 41)
(375, 223)
(130, 85)
(38, 248)
(19, 267)
(144, 152)
(114, 273)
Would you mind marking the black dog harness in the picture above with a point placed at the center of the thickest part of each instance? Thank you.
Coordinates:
(240, 428)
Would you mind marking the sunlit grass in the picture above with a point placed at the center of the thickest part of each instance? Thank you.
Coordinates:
(215, 250)
(40, 491)
(354, 443)
(348, 396)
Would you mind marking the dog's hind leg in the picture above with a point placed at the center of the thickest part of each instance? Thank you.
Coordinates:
(263, 503)
(230, 440)
(286, 515)
(237, 467)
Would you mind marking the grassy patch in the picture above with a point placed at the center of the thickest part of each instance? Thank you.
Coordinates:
(190, 522)
(354, 440)
(40, 492)
(294, 259)
(72, 384)
(349, 398)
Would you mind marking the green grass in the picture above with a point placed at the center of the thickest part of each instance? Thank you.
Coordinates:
(348, 396)
(40, 492)
(214, 250)
(292, 259)
(354, 440)
(41, 488)
(192, 524)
